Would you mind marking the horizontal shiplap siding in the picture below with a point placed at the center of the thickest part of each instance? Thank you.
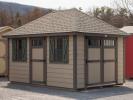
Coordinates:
(60, 75)
(120, 60)
(18, 71)
(80, 62)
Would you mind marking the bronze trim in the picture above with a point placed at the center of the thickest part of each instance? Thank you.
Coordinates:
(75, 62)
(38, 60)
(65, 33)
(30, 60)
(45, 62)
(8, 59)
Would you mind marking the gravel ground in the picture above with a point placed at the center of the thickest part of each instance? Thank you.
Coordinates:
(24, 92)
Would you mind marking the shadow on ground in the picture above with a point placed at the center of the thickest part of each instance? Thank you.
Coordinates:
(81, 95)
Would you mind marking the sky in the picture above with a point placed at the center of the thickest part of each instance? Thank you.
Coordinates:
(64, 4)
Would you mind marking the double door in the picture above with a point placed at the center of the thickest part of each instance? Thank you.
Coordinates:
(101, 60)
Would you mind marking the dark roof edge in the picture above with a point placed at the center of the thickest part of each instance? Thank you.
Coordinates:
(63, 33)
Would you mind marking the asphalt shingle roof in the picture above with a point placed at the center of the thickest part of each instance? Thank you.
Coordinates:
(71, 20)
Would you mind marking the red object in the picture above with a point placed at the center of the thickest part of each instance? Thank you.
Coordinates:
(129, 56)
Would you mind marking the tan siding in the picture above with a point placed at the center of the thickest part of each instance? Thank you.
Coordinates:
(2, 65)
(37, 71)
(109, 71)
(60, 75)
(120, 60)
(94, 54)
(94, 73)
(37, 53)
(80, 62)
(2, 49)
(19, 71)
(109, 54)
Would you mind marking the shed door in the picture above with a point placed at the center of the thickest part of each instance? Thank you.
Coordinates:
(38, 60)
(94, 61)
(100, 61)
(109, 60)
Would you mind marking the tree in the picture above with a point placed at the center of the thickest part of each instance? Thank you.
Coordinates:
(18, 20)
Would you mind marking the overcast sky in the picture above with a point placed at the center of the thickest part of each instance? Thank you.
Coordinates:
(55, 4)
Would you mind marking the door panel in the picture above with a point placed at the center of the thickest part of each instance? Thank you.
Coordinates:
(109, 64)
(109, 71)
(94, 57)
(94, 73)
(37, 72)
(94, 54)
(37, 53)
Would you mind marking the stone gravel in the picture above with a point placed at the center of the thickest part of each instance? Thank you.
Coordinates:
(10, 91)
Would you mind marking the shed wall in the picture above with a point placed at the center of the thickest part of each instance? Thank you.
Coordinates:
(60, 75)
(80, 62)
(18, 71)
(120, 60)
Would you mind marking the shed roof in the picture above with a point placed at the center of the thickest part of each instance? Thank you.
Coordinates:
(5, 28)
(71, 20)
(127, 29)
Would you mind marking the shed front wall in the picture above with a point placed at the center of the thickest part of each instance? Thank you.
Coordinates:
(18, 71)
(60, 75)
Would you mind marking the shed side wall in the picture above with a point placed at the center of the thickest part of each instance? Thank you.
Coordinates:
(80, 62)
(60, 75)
(120, 60)
(18, 71)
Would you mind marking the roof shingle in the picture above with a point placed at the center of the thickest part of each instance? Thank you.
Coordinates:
(65, 21)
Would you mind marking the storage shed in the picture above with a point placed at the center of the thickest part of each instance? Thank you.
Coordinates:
(68, 49)
(3, 54)
(128, 51)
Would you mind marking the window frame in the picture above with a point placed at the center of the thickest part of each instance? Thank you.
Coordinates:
(37, 46)
(55, 38)
(94, 39)
(109, 41)
(15, 58)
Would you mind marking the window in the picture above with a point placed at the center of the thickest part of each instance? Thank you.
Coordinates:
(19, 49)
(109, 43)
(94, 43)
(37, 42)
(58, 49)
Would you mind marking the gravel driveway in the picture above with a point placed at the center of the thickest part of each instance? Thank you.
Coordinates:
(23, 92)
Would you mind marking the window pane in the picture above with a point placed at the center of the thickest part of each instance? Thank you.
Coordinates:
(37, 42)
(94, 43)
(109, 43)
(58, 49)
(19, 49)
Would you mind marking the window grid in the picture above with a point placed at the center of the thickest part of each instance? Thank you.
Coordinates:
(59, 49)
(19, 49)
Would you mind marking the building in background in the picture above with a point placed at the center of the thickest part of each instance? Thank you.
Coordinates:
(3, 51)
(128, 51)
